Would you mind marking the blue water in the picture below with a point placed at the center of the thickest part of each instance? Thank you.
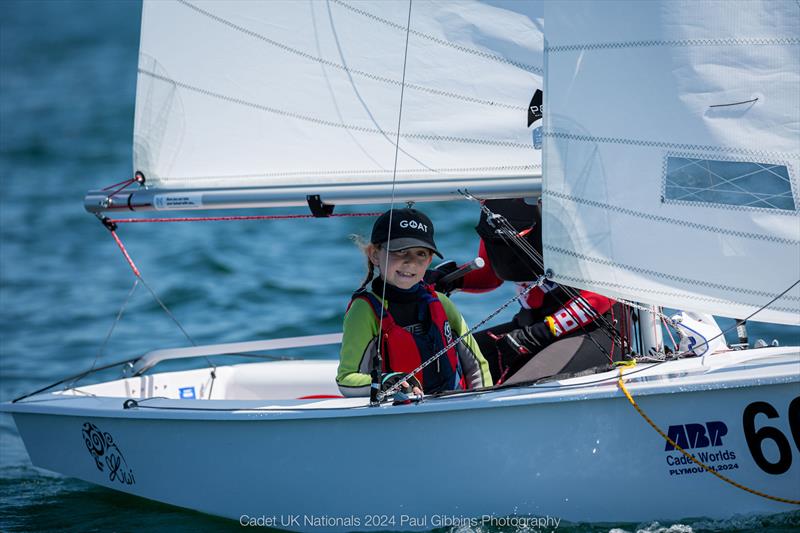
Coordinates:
(67, 82)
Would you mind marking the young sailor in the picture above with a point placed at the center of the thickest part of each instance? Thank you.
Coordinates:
(417, 322)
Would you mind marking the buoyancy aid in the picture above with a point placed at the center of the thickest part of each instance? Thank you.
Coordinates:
(403, 351)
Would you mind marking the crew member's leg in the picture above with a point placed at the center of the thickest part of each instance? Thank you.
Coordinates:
(571, 354)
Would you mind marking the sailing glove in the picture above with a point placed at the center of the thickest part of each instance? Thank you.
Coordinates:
(435, 275)
(525, 341)
(391, 379)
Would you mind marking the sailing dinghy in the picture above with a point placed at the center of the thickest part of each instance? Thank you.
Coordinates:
(666, 122)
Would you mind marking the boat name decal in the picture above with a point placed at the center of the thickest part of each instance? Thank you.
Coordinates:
(106, 454)
(695, 436)
(187, 393)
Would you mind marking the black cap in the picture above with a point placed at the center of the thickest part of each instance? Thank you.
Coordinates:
(410, 228)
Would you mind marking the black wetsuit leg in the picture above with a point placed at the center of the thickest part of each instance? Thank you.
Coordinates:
(574, 353)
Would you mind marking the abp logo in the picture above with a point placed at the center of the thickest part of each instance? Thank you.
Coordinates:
(689, 436)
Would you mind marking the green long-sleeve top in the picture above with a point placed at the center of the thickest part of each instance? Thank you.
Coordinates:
(360, 341)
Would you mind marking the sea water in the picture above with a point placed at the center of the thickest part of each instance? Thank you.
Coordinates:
(67, 82)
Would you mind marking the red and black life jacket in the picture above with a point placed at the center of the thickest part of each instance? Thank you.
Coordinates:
(403, 351)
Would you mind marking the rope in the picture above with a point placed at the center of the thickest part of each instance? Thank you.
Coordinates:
(396, 386)
(100, 353)
(240, 217)
(138, 274)
(708, 469)
(125, 254)
(515, 241)
(375, 395)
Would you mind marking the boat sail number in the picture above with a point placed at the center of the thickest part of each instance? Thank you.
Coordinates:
(768, 445)
(757, 438)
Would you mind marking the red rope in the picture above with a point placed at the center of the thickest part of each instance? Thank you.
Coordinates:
(125, 185)
(252, 217)
(125, 253)
(123, 182)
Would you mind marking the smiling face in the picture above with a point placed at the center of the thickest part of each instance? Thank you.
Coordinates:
(403, 268)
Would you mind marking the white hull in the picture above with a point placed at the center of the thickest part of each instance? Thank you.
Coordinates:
(572, 452)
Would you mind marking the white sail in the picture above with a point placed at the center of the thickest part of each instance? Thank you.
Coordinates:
(307, 93)
(672, 147)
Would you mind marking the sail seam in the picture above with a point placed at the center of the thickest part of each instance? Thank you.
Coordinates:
(660, 144)
(659, 218)
(673, 43)
(361, 73)
(420, 136)
(663, 275)
(639, 290)
(369, 172)
(461, 48)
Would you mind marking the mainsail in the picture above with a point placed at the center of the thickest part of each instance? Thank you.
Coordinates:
(672, 146)
(289, 98)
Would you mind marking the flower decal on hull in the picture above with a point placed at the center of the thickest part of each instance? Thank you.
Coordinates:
(107, 455)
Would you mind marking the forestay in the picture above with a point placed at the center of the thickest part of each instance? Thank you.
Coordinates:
(307, 94)
(672, 148)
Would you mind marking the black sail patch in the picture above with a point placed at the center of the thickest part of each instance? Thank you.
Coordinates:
(535, 107)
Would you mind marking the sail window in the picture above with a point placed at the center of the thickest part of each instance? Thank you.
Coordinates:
(739, 183)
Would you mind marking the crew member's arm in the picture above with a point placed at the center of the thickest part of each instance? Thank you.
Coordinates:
(359, 342)
(474, 365)
(483, 279)
(577, 312)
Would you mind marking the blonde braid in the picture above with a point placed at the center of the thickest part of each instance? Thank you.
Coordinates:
(366, 247)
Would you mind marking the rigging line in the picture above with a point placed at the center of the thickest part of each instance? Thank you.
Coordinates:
(361, 99)
(112, 229)
(177, 323)
(375, 396)
(123, 182)
(511, 237)
(607, 328)
(169, 313)
(737, 322)
(571, 293)
(103, 347)
(394, 388)
(76, 377)
(518, 241)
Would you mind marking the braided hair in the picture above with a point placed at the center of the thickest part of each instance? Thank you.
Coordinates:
(367, 248)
